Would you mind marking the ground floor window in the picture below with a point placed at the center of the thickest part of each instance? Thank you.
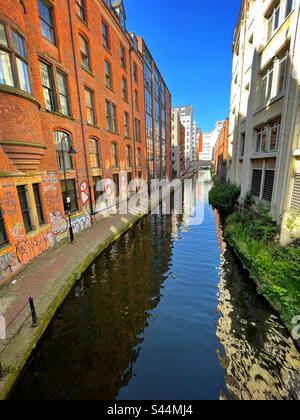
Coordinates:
(3, 235)
(69, 195)
(38, 203)
(296, 195)
(97, 187)
(268, 185)
(263, 183)
(26, 212)
(117, 185)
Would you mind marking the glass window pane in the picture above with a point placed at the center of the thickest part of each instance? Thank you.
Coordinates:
(18, 44)
(6, 76)
(3, 39)
(23, 76)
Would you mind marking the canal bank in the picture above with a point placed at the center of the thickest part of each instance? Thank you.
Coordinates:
(48, 280)
(165, 313)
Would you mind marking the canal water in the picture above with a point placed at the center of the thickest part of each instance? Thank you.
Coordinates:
(166, 313)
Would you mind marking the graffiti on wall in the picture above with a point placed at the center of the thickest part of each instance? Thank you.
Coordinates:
(8, 263)
(28, 249)
(81, 223)
(84, 192)
(59, 223)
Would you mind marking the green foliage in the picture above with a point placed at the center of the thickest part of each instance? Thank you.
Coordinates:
(224, 197)
(275, 268)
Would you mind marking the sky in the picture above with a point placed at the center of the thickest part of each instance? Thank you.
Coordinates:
(191, 42)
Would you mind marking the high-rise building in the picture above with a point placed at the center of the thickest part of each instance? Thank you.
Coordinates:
(178, 146)
(264, 142)
(186, 118)
(209, 141)
(158, 117)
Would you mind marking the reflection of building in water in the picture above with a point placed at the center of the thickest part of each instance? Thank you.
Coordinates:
(103, 321)
(260, 360)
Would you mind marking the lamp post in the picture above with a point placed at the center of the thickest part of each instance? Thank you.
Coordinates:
(71, 152)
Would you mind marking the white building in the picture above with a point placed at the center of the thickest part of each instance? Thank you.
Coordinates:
(186, 118)
(264, 140)
(209, 142)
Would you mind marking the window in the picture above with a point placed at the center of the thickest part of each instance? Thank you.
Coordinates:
(282, 72)
(268, 185)
(94, 154)
(38, 203)
(97, 186)
(117, 185)
(63, 146)
(111, 117)
(105, 35)
(114, 155)
(242, 147)
(289, 7)
(13, 60)
(139, 158)
(261, 140)
(273, 21)
(136, 100)
(256, 182)
(63, 93)
(128, 160)
(108, 75)
(85, 53)
(80, 9)
(69, 195)
(138, 130)
(48, 87)
(275, 132)
(22, 193)
(90, 107)
(126, 124)
(135, 72)
(3, 235)
(124, 89)
(295, 205)
(123, 57)
(46, 20)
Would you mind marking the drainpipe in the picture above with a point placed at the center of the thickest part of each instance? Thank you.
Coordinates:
(80, 110)
(132, 110)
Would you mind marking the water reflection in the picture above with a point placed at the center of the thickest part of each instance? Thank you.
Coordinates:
(260, 359)
(142, 323)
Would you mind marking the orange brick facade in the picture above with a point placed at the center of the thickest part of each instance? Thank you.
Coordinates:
(221, 153)
(74, 60)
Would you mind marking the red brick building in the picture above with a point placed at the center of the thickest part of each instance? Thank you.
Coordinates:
(221, 153)
(71, 77)
(158, 109)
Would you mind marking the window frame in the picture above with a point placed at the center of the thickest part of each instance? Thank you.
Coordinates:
(94, 155)
(109, 75)
(72, 192)
(26, 212)
(70, 160)
(81, 9)
(36, 188)
(86, 53)
(52, 26)
(105, 36)
(114, 155)
(126, 124)
(125, 89)
(90, 108)
(123, 58)
(14, 55)
(4, 241)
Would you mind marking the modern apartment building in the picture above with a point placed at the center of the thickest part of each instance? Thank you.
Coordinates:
(158, 117)
(71, 79)
(209, 141)
(264, 141)
(194, 142)
(178, 146)
(186, 117)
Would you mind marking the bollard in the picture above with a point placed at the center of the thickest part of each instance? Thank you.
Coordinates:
(2, 374)
(33, 313)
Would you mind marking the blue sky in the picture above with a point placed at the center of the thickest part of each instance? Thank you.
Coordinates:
(191, 42)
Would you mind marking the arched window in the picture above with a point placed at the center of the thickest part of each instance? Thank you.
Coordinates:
(94, 153)
(63, 145)
(114, 155)
(13, 60)
(128, 156)
(85, 53)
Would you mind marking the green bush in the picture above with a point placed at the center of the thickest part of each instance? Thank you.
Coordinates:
(275, 268)
(224, 197)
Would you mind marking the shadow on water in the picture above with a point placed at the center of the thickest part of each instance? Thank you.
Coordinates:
(165, 313)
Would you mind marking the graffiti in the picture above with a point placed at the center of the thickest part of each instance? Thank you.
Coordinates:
(27, 250)
(81, 223)
(17, 231)
(84, 192)
(8, 262)
(52, 200)
(9, 204)
(50, 182)
(58, 223)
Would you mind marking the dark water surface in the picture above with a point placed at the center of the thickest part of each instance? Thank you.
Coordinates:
(165, 313)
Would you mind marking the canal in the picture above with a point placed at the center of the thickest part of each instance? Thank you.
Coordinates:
(165, 313)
